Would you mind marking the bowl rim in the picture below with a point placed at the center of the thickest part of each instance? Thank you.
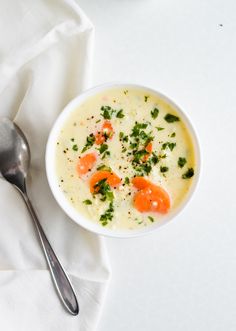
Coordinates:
(64, 203)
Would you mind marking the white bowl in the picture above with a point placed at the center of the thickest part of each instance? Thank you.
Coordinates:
(67, 206)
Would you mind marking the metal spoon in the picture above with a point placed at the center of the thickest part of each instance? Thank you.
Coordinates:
(14, 164)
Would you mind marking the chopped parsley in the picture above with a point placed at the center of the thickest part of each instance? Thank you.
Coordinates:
(137, 127)
(151, 219)
(108, 215)
(159, 128)
(144, 168)
(164, 169)
(120, 114)
(127, 180)
(171, 118)
(104, 189)
(103, 148)
(87, 202)
(106, 112)
(103, 167)
(173, 135)
(146, 98)
(139, 140)
(162, 156)
(181, 162)
(123, 137)
(169, 145)
(75, 148)
(138, 155)
(188, 174)
(107, 153)
(89, 142)
(154, 113)
(154, 158)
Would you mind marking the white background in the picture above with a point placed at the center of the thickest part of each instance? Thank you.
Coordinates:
(183, 277)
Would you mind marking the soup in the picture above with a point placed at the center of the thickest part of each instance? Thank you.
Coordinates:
(125, 158)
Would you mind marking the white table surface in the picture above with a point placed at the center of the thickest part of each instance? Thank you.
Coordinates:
(183, 277)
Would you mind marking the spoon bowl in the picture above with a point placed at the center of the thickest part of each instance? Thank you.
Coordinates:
(14, 154)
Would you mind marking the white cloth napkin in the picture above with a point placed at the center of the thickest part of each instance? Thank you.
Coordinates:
(45, 61)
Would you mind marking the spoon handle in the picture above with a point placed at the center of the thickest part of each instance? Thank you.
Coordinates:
(59, 276)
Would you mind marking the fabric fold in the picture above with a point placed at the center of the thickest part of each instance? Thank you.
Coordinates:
(46, 59)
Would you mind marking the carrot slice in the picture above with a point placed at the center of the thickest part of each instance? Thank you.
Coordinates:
(99, 138)
(140, 182)
(86, 163)
(148, 148)
(160, 199)
(96, 177)
(112, 179)
(106, 131)
(141, 201)
(152, 198)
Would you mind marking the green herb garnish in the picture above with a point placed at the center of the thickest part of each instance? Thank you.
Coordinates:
(181, 162)
(173, 135)
(136, 129)
(154, 113)
(151, 219)
(154, 158)
(120, 114)
(143, 169)
(104, 189)
(107, 153)
(89, 142)
(188, 174)
(169, 145)
(103, 148)
(75, 148)
(146, 98)
(106, 112)
(123, 137)
(164, 169)
(127, 180)
(159, 128)
(73, 139)
(138, 155)
(103, 167)
(108, 215)
(171, 118)
(87, 202)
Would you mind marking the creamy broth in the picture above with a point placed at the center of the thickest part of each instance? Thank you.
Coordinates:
(134, 114)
